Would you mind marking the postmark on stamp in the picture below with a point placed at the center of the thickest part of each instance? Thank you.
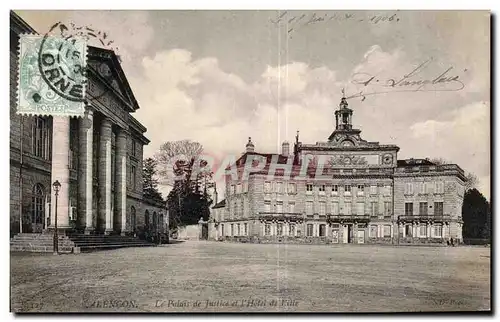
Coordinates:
(52, 76)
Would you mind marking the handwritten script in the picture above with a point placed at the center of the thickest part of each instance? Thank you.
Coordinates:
(443, 81)
(295, 22)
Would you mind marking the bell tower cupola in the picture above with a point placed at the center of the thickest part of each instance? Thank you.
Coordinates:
(343, 116)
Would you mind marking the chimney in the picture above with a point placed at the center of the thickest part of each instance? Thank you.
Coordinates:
(285, 148)
(250, 147)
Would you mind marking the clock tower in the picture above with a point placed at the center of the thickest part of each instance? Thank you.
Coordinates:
(344, 135)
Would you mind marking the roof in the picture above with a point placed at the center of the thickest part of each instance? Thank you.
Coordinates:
(220, 204)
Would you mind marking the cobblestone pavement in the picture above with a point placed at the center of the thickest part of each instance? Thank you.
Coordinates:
(212, 276)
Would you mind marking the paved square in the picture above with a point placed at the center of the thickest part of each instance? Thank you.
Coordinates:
(212, 276)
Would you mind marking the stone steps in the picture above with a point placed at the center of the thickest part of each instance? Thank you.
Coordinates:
(73, 243)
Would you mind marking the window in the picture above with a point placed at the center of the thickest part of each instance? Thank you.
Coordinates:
(439, 187)
(37, 204)
(373, 209)
(387, 208)
(291, 229)
(322, 208)
(309, 230)
(309, 207)
(267, 229)
(360, 208)
(291, 206)
(279, 229)
(73, 148)
(41, 138)
(134, 148)
(322, 189)
(232, 189)
(408, 231)
(438, 231)
(232, 230)
(267, 206)
(361, 189)
(409, 209)
(335, 190)
(347, 190)
(279, 187)
(409, 188)
(423, 231)
(373, 231)
(423, 188)
(373, 190)
(238, 188)
(279, 207)
(245, 229)
(309, 188)
(238, 229)
(438, 208)
(387, 190)
(423, 209)
(387, 231)
(292, 188)
(132, 177)
(348, 209)
(322, 230)
(335, 208)
(267, 187)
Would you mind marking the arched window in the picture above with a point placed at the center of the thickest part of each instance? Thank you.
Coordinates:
(132, 219)
(161, 224)
(38, 204)
(155, 221)
(146, 220)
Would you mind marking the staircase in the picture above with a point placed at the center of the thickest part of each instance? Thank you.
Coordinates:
(73, 243)
(97, 242)
(40, 243)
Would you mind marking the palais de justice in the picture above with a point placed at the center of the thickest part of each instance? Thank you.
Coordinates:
(363, 194)
(96, 158)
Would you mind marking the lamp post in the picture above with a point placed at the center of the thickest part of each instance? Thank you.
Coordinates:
(57, 187)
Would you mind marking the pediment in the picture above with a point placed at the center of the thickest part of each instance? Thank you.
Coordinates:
(106, 66)
(347, 139)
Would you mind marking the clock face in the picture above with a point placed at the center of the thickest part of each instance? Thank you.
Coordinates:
(347, 143)
(387, 159)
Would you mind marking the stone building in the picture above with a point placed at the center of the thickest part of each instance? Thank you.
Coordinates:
(345, 190)
(96, 158)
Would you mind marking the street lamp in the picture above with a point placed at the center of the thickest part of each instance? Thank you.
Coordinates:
(57, 187)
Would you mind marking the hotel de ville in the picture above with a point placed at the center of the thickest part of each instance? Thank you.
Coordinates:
(363, 194)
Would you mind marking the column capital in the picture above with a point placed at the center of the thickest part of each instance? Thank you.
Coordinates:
(106, 122)
(123, 132)
(89, 110)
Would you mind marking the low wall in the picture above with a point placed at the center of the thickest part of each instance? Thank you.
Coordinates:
(189, 232)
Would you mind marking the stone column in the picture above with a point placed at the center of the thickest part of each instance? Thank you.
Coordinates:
(86, 131)
(60, 172)
(121, 179)
(105, 175)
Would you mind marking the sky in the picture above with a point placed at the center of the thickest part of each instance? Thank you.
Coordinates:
(219, 77)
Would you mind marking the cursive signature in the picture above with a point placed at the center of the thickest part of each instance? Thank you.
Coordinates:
(444, 81)
(294, 22)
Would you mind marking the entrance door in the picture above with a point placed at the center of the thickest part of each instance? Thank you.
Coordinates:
(349, 234)
(345, 234)
(37, 208)
(361, 236)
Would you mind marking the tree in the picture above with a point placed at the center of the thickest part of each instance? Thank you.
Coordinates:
(182, 168)
(150, 181)
(476, 214)
(174, 156)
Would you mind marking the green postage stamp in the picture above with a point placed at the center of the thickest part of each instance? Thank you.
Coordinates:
(52, 75)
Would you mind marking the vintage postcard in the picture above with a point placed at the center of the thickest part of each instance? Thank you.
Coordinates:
(250, 161)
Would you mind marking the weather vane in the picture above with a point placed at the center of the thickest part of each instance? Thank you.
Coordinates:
(343, 92)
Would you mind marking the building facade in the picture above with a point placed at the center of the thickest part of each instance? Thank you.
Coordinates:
(345, 190)
(96, 158)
